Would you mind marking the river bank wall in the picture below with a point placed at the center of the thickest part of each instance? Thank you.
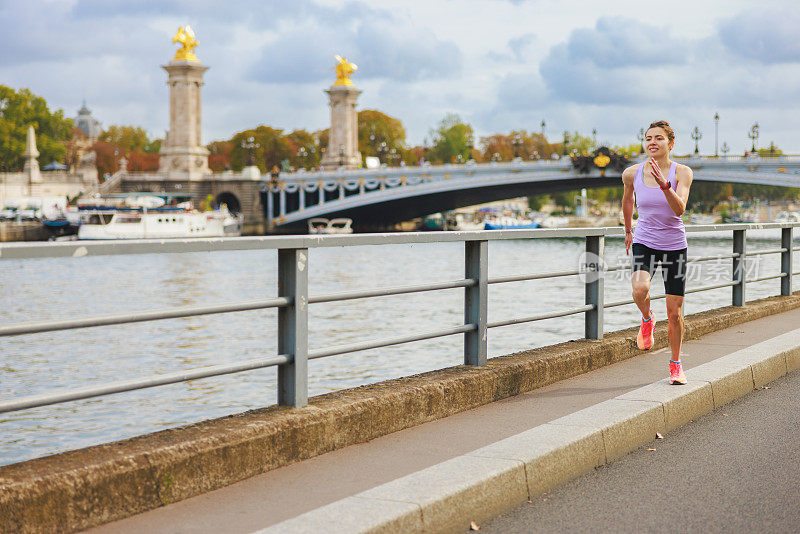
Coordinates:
(79, 489)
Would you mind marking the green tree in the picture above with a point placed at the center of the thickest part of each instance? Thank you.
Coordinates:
(452, 138)
(18, 110)
(381, 135)
(579, 143)
(273, 147)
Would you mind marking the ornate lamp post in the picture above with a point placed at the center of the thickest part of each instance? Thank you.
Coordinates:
(716, 133)
(594, 136)
(753, 134)
(517, 142)
(341, 155)
(725, 149)
(382, 150)
(543, 125)
(470, 147)
(566, 141)
(640, 137)
(250, 145)
(696, 136)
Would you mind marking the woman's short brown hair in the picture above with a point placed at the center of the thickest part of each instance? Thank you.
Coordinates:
(664, 125)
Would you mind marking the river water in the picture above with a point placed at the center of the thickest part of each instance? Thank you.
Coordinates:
(51, 289)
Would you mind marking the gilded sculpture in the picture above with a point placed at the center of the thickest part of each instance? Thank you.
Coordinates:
(343, 71)
(185, 36)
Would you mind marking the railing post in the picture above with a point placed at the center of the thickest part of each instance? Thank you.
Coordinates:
(270, 210)
(293, 327)
(476, 263)
(282, 202)
(786, 261)
(301, 196)
(739, 266)
(594, 282)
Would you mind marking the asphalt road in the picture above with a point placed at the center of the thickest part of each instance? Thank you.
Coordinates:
(734, 470)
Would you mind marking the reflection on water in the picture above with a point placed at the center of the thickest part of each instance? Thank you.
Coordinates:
(50, 289)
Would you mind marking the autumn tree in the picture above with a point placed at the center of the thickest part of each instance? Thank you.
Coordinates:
(305, 152)
(18, 110)
(219, 155)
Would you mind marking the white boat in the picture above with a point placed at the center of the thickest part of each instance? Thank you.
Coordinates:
(330, 226)
(153, 216)
(788, 216)
(702, 218)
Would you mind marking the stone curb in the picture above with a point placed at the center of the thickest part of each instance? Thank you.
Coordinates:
(448, 496)
(88, 487)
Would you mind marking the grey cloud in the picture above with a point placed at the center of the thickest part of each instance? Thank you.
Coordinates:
(767, 36)
(604, 65)
(617, 41)
(517, 50)
(381, 50)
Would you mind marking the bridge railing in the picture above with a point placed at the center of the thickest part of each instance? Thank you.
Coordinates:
(293, 297)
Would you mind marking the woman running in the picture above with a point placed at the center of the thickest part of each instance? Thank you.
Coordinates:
(661, 189)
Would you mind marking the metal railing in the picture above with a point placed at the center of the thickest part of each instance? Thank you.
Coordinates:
(293, 298)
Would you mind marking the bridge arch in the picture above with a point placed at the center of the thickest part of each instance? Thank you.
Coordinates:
(230, 200)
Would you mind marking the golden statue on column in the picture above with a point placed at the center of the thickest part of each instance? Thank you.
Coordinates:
(185, 36)
(343, 71)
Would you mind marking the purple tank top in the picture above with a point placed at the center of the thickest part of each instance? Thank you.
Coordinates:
(657, 227)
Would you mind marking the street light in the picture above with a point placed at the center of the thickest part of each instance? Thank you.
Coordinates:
(716, 133)
(566, 140)
(341, 155)
(640, 137)
(543, 125)
(382, 150)
(696, 136)
(725, 149)
(249, 144)
(594, 136)
(517, 142)
(753, 134)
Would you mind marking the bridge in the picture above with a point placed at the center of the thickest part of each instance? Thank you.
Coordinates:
(377, 199)
(380, 198)
(496, 422)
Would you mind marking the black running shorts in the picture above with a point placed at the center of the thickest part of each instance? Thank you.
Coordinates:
(672, 263)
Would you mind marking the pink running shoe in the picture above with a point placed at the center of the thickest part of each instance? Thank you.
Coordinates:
(676, 376)
(645, 338)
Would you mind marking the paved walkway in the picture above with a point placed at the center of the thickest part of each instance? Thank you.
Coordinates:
(733, 470)
(292, 490)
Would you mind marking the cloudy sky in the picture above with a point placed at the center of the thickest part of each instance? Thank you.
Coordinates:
(500, 64)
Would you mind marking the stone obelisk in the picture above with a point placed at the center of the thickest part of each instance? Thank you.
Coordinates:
(182, 153)
(342, 148)
(31, 168)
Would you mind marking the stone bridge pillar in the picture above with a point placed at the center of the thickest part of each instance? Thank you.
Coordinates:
(343, 141)
(183, 154)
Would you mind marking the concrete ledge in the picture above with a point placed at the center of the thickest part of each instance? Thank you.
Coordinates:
(357, 514)
(681, 403)
(728, 381)
(552, 454)
(625, 424)
(566, 446)
(88, 487)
